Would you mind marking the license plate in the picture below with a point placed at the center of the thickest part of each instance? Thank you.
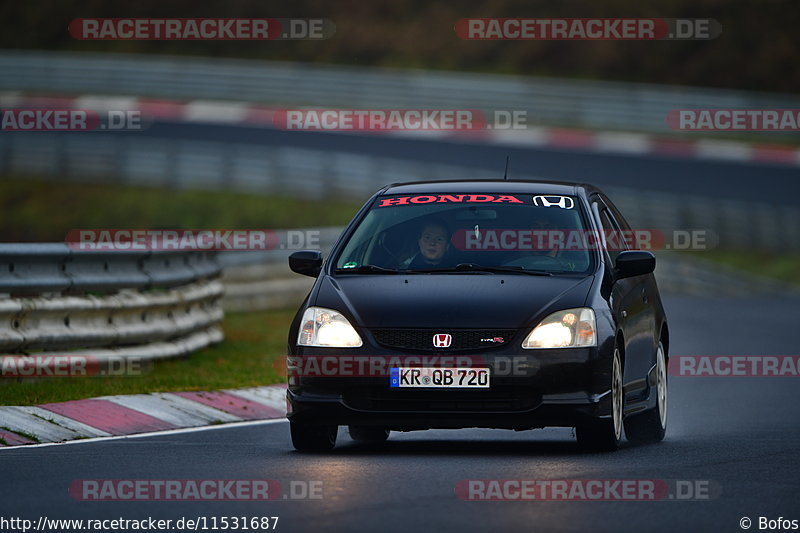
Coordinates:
(439, 378)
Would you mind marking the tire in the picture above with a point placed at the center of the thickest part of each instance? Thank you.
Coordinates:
(606, 436)
(372, 435)
(651, 426)
(313, 438)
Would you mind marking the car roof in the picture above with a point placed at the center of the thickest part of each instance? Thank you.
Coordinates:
(496, 186)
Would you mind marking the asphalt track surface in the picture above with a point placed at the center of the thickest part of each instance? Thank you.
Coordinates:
(740, 434)
(768, 183)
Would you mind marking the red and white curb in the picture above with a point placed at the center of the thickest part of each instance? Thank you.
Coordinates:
(130, 414)
(246, 114)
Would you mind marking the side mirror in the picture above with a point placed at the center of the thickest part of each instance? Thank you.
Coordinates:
(306, 262)
(634, 263)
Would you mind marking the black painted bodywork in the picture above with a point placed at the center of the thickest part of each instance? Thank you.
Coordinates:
(553, 387)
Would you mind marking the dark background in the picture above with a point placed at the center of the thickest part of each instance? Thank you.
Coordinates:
(757, 49)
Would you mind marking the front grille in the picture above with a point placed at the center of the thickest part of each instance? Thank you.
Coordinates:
(422, 339)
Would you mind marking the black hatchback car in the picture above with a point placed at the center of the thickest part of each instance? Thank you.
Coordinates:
(480, 303)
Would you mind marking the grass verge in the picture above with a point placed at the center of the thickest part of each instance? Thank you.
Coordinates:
(37, 210)
(784, 267)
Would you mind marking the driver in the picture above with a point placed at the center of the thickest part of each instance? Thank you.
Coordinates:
(433, 242)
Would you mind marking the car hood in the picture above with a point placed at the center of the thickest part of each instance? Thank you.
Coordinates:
(450, 300)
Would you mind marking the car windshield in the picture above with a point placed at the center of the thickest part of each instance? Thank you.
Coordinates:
(469, 233)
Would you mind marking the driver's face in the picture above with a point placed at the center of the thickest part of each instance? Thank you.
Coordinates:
(433, 243)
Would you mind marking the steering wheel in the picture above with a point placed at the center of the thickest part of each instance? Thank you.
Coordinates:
(382, 246)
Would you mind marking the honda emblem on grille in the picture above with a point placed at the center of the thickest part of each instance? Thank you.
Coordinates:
(442, 340)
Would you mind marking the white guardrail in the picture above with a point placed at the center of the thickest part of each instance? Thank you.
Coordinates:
(147, 305)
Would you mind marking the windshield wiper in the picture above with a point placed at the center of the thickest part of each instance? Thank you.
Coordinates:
(367, 269)
(472, 267)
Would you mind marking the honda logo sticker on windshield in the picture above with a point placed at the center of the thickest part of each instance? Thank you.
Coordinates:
(564, 202)
(442, 340)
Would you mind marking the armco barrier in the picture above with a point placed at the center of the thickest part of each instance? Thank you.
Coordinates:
(554, 101)
(148, 305)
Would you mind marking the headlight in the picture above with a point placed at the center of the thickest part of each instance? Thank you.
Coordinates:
(571, 328)
(327, 328)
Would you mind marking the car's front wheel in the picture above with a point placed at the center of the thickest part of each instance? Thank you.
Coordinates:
(368, 434)
(606, 436)
(651, 426)
(306, 438)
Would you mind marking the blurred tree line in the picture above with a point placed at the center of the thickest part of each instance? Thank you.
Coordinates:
(758, 48)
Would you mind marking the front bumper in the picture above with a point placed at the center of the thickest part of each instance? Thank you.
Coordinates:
(536, 388)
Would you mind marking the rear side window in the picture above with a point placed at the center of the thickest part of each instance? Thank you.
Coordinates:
(613, 244)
